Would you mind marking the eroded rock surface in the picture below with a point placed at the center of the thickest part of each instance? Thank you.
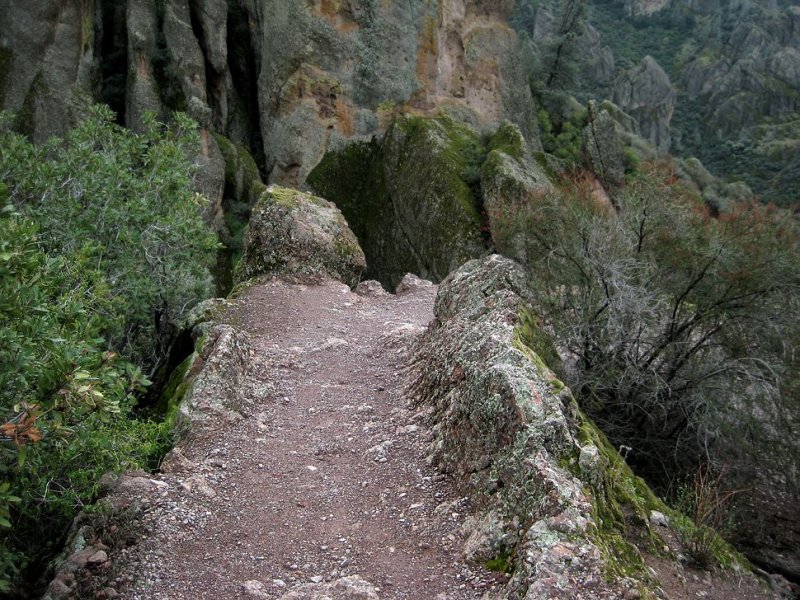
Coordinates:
(501, 428)
(295, 233)
(646, 94)
(285, 80)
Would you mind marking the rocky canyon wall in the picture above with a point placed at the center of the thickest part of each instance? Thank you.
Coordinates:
(285, 80)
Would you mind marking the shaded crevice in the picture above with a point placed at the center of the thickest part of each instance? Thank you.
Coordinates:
(111, 49)
(167, 82)
(244, 84)
(215, 81)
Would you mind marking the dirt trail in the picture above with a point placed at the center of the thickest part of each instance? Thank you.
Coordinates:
(326, 478)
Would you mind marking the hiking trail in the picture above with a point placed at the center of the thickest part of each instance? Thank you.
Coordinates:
(322, 490)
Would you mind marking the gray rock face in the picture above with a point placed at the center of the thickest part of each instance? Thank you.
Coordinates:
(293, 233)
(510, 181)
(503, 425)
(217, 377)
(46, 59)
(599, 64)
(604, 147)
(283, 79)
(646, 94)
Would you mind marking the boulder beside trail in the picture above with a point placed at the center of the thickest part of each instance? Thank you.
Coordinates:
(292, 233)
(513, 438)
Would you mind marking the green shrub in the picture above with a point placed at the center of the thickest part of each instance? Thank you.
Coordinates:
(122, 201)
(563, 139)
(102, 249)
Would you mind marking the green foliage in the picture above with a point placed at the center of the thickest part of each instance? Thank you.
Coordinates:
(123, 201)
(102, 248)
(563, 139)
(632, 38)
(631, 161)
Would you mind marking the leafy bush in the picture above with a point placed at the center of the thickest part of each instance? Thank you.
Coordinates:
(102, 249)
(123, 201)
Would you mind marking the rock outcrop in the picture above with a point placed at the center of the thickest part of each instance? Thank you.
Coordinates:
(604, 147)
(646, 94)
(412, 198)
(510, 180)
(292, 233)
(511, 434)
(46, 59)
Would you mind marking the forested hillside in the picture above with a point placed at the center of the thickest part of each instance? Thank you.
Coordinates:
(733, 68)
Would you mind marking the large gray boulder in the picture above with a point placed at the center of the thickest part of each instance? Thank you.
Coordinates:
(292, 233)
(646, 94)
(411, 198)
(604, 147)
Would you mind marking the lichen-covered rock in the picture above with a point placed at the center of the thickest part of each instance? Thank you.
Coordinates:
(294, 233)
(646, 94)
(352, 587)
(214, 380)
(510, 181)
(549, 487)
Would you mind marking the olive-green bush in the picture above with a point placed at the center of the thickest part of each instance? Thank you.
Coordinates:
(102, 249)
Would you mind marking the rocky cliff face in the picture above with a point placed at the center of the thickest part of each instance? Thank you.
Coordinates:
(735, 70)
(284, 79)
(646, 94)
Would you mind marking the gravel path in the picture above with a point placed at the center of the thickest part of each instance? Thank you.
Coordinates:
(325, 480)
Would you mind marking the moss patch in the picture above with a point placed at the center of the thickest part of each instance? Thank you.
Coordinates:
(175, 390)
(508, 140)
(460, 159)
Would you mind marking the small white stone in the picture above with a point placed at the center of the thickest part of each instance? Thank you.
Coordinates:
(658, 519)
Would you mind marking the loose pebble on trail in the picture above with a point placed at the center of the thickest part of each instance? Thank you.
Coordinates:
(322, 490)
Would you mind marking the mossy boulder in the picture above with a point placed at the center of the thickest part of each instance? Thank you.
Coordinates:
(604, 148)
(510, 181)
(412, 198)
(432, 174)
(293, 233)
